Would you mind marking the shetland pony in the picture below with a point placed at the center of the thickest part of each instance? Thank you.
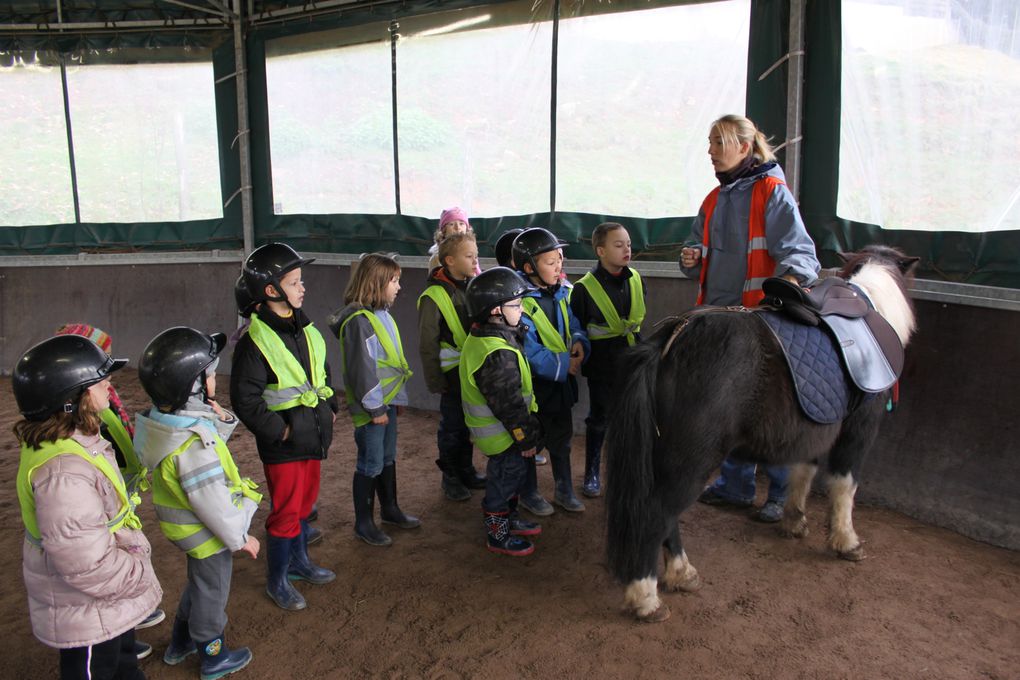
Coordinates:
(719, 386)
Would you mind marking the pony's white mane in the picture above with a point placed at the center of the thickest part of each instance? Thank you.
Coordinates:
(880, 283)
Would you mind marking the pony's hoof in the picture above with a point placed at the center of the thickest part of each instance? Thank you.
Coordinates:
(686, 585)
(794, 528)
(852, 555)
(655, 616)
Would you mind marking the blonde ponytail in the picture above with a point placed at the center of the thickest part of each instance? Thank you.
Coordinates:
(737, 130)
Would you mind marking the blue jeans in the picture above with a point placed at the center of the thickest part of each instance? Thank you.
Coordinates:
(377, 445)
(736, 481)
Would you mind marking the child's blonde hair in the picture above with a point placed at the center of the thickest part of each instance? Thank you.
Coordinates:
(369, 278)
(736, 130)
(60, 425)
(601, 233)
(451, 244)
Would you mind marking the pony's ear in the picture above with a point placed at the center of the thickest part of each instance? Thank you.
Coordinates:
(907, 264)
(846, 257)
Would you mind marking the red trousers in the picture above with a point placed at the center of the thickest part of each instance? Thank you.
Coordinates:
(293, 490)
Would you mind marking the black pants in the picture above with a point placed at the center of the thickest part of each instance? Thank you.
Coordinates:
(504, 479)
(557, 429)
(111, 660)
(453, 437)
(600, 401)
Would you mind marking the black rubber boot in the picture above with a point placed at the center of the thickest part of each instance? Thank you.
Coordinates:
(468, 474)
(314, 514)
(278, 586)
(389, 511)
(521, 527)
(181, 645)
(219, 660)
(499, 538)
(564, 496)
(301, 567)
(364, 511)
(314, 535)
(453, 487)
(592, 487)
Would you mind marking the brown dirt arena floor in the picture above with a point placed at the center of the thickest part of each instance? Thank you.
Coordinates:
(926, 603)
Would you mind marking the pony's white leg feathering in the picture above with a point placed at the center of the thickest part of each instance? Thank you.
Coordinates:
(842, 537)
(794, 521)
(642, 598)
(680, 574)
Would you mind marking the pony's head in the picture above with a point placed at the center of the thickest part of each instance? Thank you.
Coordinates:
(882, 273)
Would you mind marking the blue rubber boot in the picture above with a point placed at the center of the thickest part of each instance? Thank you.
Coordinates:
(218, 660)
(301, 567)
(278, 586)
(181, 645)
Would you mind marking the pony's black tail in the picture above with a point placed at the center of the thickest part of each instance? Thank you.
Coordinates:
(629, 448)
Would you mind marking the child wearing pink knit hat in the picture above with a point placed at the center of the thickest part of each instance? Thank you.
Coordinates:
(451, 221)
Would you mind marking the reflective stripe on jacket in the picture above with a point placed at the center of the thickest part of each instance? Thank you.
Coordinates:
(32, 459)
(293, 388)
(449, 355)
(615, 326)
(487, 432)
(391, 369)
(760, 264)
(176, 516)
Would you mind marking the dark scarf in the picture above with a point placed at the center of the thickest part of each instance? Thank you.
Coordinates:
(746, 167)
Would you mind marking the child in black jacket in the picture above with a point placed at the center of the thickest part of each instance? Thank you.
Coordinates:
(280, 389)
(499, 404)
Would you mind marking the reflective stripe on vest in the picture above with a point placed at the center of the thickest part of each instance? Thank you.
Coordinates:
(615, 326)
(487, 432)
(449, 355)
(760, 264)
(547, 333)
(176, 517)
(391, 369)
(293, 388)
(33, 459)
(136, 476)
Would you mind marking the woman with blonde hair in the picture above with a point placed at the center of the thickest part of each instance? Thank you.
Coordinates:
(748, 229)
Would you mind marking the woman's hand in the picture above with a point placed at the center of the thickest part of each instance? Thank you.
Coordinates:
(690, 256)
(384, 419)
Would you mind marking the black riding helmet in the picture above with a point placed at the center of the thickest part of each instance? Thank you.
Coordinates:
(492, 288)
(266, 265)
(173, 361)
(51, 376)
(242, 296)
(504, 247)
(532, 242)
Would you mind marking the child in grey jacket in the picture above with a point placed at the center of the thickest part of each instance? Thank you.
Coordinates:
(203, 504)
(374, 370)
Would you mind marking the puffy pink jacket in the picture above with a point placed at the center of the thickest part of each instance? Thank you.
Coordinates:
(85, 585)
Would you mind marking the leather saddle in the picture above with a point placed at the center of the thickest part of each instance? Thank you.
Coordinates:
(868, 345)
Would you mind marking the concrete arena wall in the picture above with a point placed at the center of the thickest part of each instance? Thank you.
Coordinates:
(946, 456)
